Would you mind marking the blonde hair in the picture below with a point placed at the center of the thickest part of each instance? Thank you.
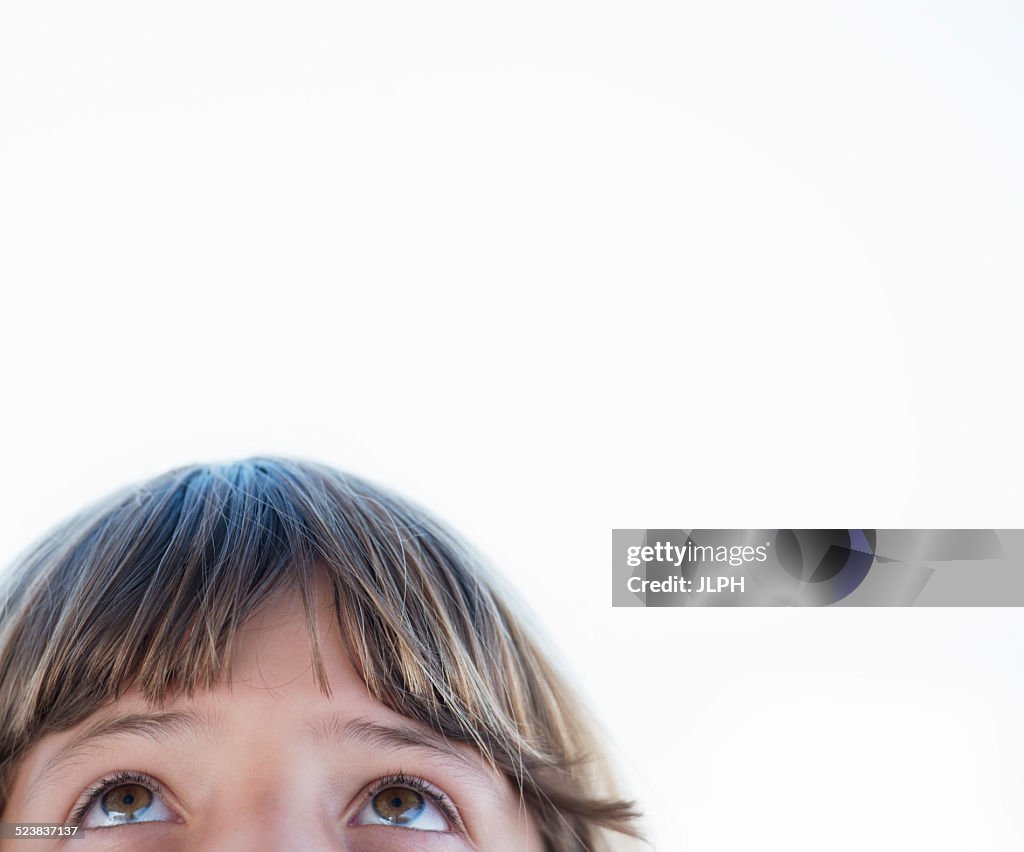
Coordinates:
(146, 591)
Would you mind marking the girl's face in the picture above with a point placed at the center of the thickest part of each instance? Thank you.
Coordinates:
(267, 762)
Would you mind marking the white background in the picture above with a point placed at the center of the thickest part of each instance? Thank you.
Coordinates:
(553, 268)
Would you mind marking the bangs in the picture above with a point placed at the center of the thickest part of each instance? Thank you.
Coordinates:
(148, 590)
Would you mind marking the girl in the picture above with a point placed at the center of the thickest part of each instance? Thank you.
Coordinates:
(271, 654)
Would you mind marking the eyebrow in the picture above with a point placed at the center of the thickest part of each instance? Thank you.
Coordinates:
(158, 726)
(335, 728)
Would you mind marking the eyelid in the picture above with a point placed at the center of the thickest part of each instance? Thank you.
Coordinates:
(421, 785)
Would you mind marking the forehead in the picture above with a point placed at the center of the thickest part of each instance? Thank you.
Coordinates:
(273, 648)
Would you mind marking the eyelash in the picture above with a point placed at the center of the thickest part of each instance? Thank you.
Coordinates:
(104, 784)
(424, 788)
(393, 779)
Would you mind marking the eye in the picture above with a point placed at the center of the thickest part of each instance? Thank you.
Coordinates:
(407, 802)
(124, 798)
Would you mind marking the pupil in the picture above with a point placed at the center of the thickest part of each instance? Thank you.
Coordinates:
(128, 799)
(396, 802)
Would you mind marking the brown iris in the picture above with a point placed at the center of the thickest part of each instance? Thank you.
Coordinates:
(126, 801)
(398, 805)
